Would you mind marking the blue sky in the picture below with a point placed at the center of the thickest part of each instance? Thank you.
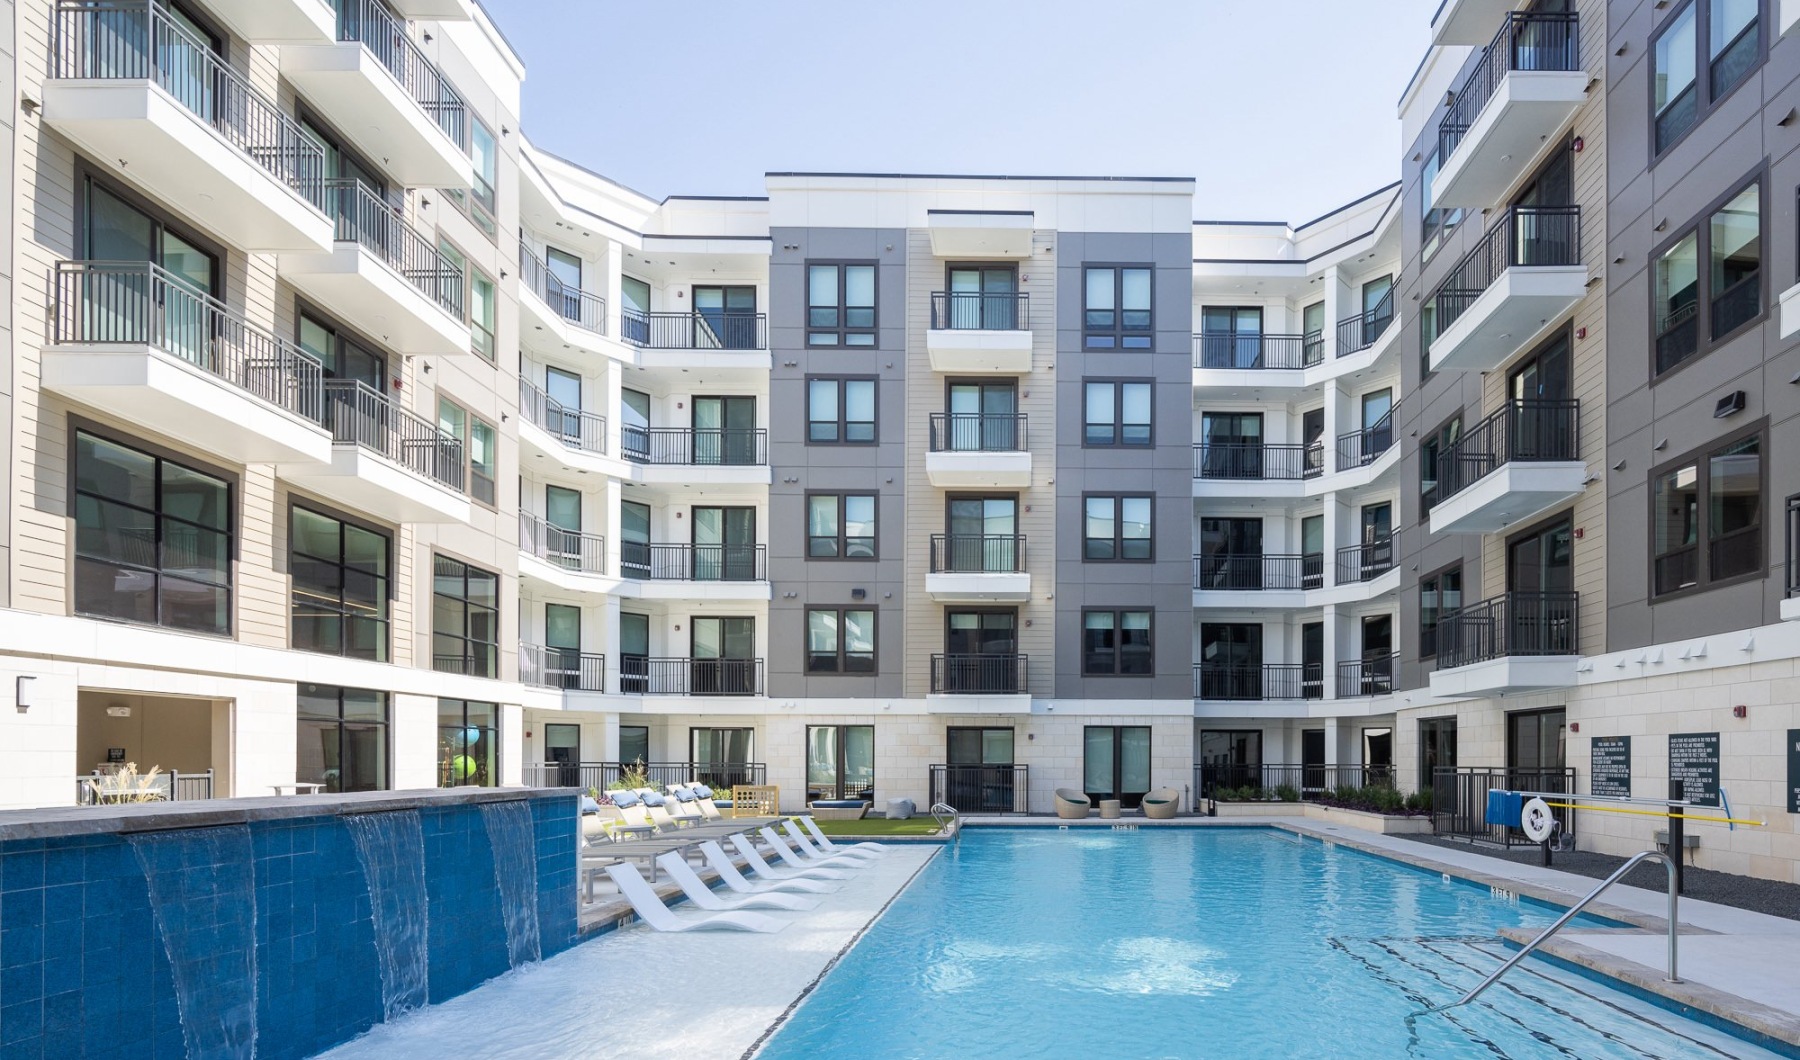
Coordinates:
(1281, 109)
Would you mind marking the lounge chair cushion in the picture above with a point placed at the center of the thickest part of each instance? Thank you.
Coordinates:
(624, 798)
(1156, 802)
(684, 795)
(653, 799)
(702, 790)
(588, 805)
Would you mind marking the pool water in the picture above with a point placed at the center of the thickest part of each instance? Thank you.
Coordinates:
(1208, 943)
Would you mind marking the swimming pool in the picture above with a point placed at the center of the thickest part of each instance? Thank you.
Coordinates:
(1207, 942)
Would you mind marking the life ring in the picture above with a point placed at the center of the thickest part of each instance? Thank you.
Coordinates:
(1537, 820)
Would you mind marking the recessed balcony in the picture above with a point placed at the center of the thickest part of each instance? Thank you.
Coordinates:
(1220, 578)
(965, 674)
(1252, 469)
(382, 93)
(567, 313)
(980, 234)
(568, 669)
(697, 455)
(641, 676)
(1519, 642)
(1259, 681)
(680, 571)
(138, 343)
(385, 460)
(980, 333)
(1519, 462)
(1371, 675)
(1523, 275)
(1362, 331)
(976, 568)
(135, 90)
(978, 450)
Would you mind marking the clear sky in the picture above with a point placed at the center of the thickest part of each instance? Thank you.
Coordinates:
(1281, 109)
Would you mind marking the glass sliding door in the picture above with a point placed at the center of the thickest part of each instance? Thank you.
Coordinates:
(722, 757)
(562, 749)
(563, 418)
(725, 318)
(562, 511)
(724, 430)
(983, 298)
(634, 424)
(634, 653)
(1231, 660)
(1116, 763)
(564, 286)
(840, 762)
(979, 777)
(634, 539)
(1231, 337)
(983, 417)
(562, 646)
(982, 534)
(1231, 444)
(723, 662)
(724, 544)
(981, 649)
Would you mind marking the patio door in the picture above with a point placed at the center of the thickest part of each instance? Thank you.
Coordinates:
(983, 297)
(725, 318)
(564, 286)
(724, 430)
(167, 308)
(1540, 580)
(1116, 763)
(1231, 444)
(634, 653)
(981, 534)
(562, 645)
(1231, 552)
(634, 539)
(978, 777)
(562, 511)
(1312, 761)
(724, 544)
(1377, 655)
(1537, 388)
(634, 424)
(562, 749)
(722, 757)
(981, 648)
(1231, 660)
(1312, 660)
(1312, 432)
(1231, 337)
(563, 417)
(840, 762)
(723, 662)
(983, 417)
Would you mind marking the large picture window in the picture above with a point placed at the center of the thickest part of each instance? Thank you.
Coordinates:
(1117, 413)
(343, 738)
(1117, 529)
(840, 304)
(468, 744)
(153, 539)
(340, 586)
(840, 640)
(840, 762)
(465, 619)
(1116, 643)
(1706, 519)
(1117, 311)
(840, 526)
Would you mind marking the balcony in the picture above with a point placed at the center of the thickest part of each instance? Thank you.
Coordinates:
(435, 10)
(1253, 462)
(1519, 462)
(695, 572)
(278, 21)
(1259, 681)
(1529, 83)
(698, 455)
(1519, 642)
(1245, 572)
(1364, 563)
(721, 330)
(1362, 448)
(140, 344)
(383, 276)
(385, 460)
(1371, 675)
(1364, 330)
(1468, 21)
(977, 568)
(987, 235)
(980, 333)
(569, 428)
(565, 668)
(980, 675)
(1524, 274)
(380, 90)
(571, 315)
(563, 551)
(1226, 351)
(978, 450)
(134, 89)
(641, 676)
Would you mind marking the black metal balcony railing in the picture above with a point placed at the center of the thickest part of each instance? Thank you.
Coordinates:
(1527, 41)
(138, 39)
(1362, 330)
(981, 788)
(977, 553)
(1249, 460)
(584, 310)
(643, 676)
(358, 414)
(980, 311)
(575, 428)
(703, 330)
(995, 674)
(1259, 681)
(375, 27)
(1367, 561)
(1371, 675)
(733, 447)
(569, 549)
(1518, 623)
(1307, 781)
(136, 303)
(601, 776)
(569, 669)
(371, 222)
(1459, 800)
(482, 663)
(1226, 570)
(1225, 349)
(1793, 546)
(1523, 430)
(1364, 447)
(978, 432)
(693, 563)
(1522, 237)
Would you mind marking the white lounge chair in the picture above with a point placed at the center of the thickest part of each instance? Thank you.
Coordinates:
(764, 869)
(651, 910)
(721, 863)
(794, 859)
(809, 849)
(702, 895)
(707, 807)
(661, 810)
(829, 847)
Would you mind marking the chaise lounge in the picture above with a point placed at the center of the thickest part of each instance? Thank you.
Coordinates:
(1071, 805)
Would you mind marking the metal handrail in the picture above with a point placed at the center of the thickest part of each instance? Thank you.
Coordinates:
(1230, 349)
(1361, 448)
(575, 428)
(369, 23)
(1526, 950)
(569, 549)
(1793, 546)
(1524, 430)
(1259, 570)
(978, 432)
(680, 562)
(1522, 236)
(1527, 41)
(1359, 332)
(1285, 461)
(362, 217)
(977, 553)
(724, 329)
(727, 446)
(980, 310)
(362, 416)
(583, 309)
(1368, 560)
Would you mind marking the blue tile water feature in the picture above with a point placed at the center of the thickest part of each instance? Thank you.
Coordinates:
(267, 928)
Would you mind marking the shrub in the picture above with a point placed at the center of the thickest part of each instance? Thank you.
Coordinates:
(1377, 799)
(1287, 793)
(630, 778)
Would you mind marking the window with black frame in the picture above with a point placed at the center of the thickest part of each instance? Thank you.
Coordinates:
(341, 586)
(1116, 528)
(1117, 643)
(342, 739)
(840, 526)
(1118, 413)
(840, 640)
(1700, 54)
(1707, 517)
(1117, 307)
(465, 619)
(1439, 594)
(840, 304)
(468, 744)
(840, 411)
(1707, 284)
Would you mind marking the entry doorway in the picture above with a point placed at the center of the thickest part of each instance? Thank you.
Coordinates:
(562, 749)
(187, 740)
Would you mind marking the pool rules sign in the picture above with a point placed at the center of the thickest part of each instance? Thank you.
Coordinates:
(1793, 770)
(1609, 772)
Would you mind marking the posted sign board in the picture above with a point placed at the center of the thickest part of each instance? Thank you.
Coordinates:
(1609, 771)
(1694, 760)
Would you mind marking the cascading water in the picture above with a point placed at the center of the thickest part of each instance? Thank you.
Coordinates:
(391, 847)
(203, 896)
(514, 843)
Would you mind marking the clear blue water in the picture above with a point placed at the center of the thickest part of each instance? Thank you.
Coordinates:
(1207, 943)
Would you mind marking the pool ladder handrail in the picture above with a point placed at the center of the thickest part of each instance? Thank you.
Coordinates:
(941, 810)
(1526, 950)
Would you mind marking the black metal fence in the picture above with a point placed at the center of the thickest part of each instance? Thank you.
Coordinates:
(980, 311)
(1371, 675)
(360, 415)
(1521, 236)
(601, 776)
(1459, 800)
(728, 446)
(721, 329)
(1517, 623)
(1251, 460)
(1361, 448)
(569, 669)
(980, 674)
(1226, 570)
(639, 675)
(568, 549)
(1229, 349)
(977, 553)
(693, 563)
(1527, 41)
(370, 22)
(970, 432)
(1358, 333)
(379, 227)
(581, 308)
(1523, 430)
(981, 789)
(575, 428)
(1259, 680)
(1367, 561)
(1308, 782)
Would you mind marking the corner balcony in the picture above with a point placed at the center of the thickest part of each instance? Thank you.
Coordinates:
(707, 340)
(564, 559)
(1370, 569)
(1277, 580)
(1528, 85)
(140, 344)
(385, 460)
(1519, 462)
(695, 572)
(1001, 674)
(977, 333)
(137, 91)
(977, 450)
(1371, 675)
(978, 568)
(568, 315)
(1250, 469)
(1364, 330)
(1255, 682)
(698, 456)
(568, 669)
(1519, 642)
(561, 435)
(383, 276)
(378, 88)
(642, 676)
(1524, 274)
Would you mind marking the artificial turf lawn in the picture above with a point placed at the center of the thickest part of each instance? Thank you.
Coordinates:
(879, 826)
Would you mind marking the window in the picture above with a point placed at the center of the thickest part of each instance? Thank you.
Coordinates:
(468, 744)
(634, 743)
(1690, 302)
(1437, 748)
(465, 620)
(1439, 594)
(1117, 308)
(840, 304)
(840, 762)
(343, 738)
(723, 757)
(1431, 451)
(153, 539)
(481, 313)
(840, 526)
(341, 585)
(1116, 643)
(484, 153)
(840, 641)
(1715, 497)
(840, 411)
(1437, 223)
(1116, 528)
(1726, 44)
(339, 354)
(1117, 414)
(634, 310)
(1312, 333)
(478, 441)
